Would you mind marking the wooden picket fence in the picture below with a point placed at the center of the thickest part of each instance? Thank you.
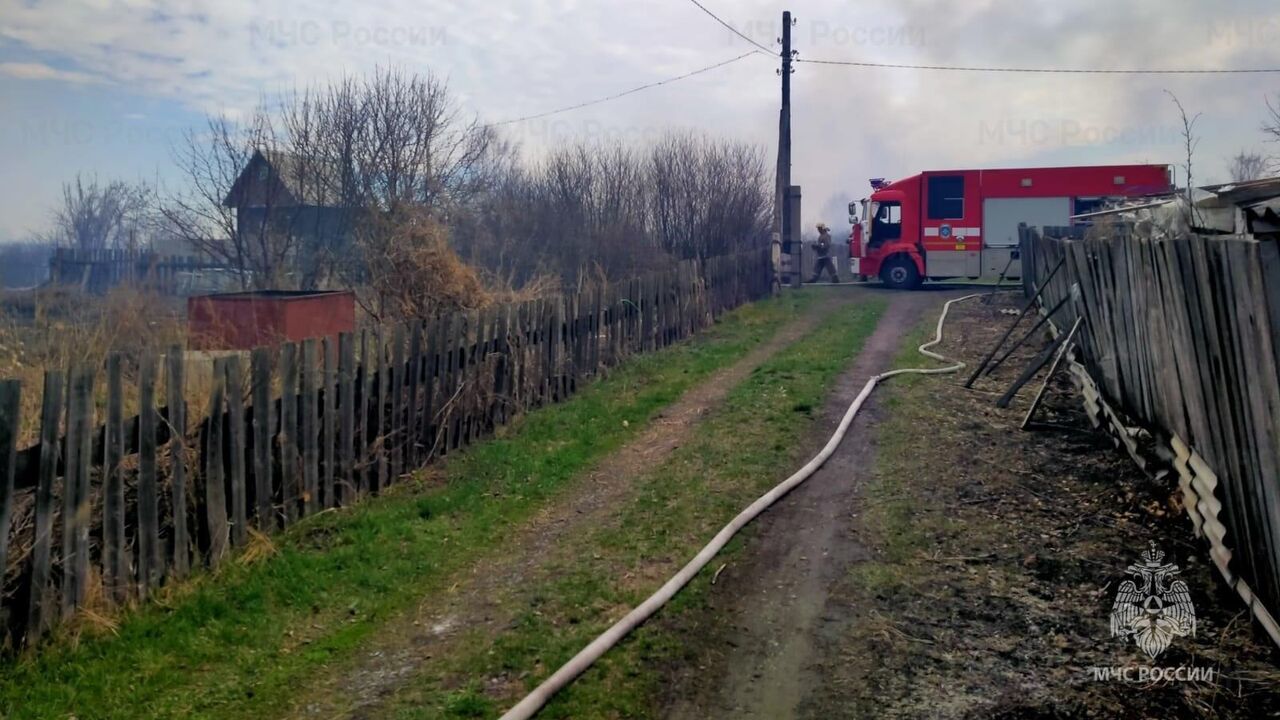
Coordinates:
(1178, 351)
(97, 271)
(129, 504)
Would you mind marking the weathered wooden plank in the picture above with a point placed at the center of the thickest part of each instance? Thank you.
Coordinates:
(236, 448)
(346, 418)
(475, 377)
(290, 477)
(10, 426)
(115, 575)
(1243, 394)
(1215, 326)
(366, 433)
(502, 367)
(260, 362)
(150, 565)
(413, 377)
(328, 423)
(310, 430)
(215, 489)
(450, 379)
(597, 318)
(1261, 407)
(39, 604)
(380, 414)
(431, 392)
(175, 386)
(395, 428)
(77, 501)
(71, 454)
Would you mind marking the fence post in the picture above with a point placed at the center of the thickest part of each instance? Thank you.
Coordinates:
(328, 422)
(236, 448)
(260, 363)
(50, 414)
(310, 452)
(215, 494)
(176, 388)
(289, 432)
(10, 422)
(347, 421)
(113, 543)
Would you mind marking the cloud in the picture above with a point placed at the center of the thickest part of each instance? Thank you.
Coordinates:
(510, 58)
(40, 71)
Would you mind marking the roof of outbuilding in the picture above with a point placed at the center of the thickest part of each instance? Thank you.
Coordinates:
(304, 182)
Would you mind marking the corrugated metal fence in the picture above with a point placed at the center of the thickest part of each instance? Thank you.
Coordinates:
(1181, 337)
(127, 504)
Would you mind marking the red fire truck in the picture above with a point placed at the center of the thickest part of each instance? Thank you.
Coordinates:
(964, 223)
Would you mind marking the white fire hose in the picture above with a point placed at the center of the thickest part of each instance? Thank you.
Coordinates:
(534, 701)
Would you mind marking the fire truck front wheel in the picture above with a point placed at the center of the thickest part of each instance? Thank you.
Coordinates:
(900, 273)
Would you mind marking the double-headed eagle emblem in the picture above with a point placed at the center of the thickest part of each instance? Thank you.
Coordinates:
(1156, 608)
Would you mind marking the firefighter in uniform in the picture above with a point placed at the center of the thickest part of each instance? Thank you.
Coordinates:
(824, 262)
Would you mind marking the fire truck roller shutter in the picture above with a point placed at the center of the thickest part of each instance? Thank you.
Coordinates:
(1000, 218)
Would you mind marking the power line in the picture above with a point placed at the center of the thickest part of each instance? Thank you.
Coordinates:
(731, 28)
(1050, 71)
(625, 93)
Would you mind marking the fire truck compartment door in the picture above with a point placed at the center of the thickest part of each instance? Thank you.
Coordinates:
(953, 263)
(1000, 218)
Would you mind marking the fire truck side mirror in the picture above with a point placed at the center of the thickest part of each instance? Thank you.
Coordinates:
(853, 209)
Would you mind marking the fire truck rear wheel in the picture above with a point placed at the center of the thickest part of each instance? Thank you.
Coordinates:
(900, 273)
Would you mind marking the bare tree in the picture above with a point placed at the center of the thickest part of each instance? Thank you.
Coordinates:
(620, 209)
(336, 157)
(1271, 126)
(1246, 165)
(99, 216)
(1190, 142)
(211, 161)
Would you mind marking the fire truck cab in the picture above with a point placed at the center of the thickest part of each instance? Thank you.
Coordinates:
(964, 223)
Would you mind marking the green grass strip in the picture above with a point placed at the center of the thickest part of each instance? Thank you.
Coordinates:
(236, 643)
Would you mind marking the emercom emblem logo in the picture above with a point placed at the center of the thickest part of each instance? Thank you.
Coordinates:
(1153, 608)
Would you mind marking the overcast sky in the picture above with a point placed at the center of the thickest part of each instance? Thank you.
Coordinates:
(107, 87)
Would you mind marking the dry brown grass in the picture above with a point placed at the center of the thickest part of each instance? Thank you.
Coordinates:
(413, 272)
(55, 329)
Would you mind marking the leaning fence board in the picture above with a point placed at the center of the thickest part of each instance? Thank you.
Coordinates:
(328, 422)
(174, 382)
(10, 421)
(346, 453)
(289, 476)
(39, 610)
(380, 415)
(413, 378)
(310, 428)
(236, 483)
(260, 362)
(114, 575)
(395, 429)
(150, 566)
(215, 493)
(78, 504)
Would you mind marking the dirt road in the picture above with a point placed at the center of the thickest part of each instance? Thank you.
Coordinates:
(945, 564)
(483, 603)
(773, 603)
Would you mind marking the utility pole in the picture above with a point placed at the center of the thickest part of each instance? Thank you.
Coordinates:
(782, 220)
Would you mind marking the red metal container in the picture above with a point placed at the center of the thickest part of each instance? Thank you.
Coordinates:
(244, 320)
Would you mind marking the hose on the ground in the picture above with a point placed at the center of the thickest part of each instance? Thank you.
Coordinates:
(534, 701)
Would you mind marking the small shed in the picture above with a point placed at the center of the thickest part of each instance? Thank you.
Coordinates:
(245, 320)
